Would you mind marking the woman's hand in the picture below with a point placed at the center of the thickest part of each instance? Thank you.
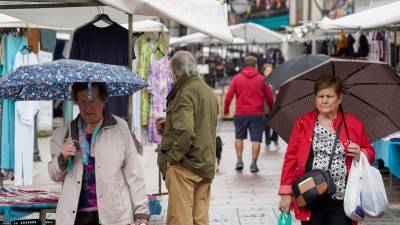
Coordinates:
(68, 149)
(354, 151)
(286, 203)
(141, 222)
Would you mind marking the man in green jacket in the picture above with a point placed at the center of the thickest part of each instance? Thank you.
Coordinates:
(186, 154)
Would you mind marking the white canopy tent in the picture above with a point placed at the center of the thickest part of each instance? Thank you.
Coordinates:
(245, 33)
(147, 26)
(140, 26)
(208, 16)
(376, 17)
(197, 38)
(254, 33)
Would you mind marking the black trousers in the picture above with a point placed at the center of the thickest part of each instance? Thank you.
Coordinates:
(268, 136)
(328, 212)
(87, 218)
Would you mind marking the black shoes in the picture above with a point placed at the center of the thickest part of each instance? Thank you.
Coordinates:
(254, 168)
(239, 166)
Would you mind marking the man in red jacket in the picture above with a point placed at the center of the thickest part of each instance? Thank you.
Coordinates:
(250, 92)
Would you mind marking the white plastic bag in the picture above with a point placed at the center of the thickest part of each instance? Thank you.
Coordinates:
(365, 191)
(352, 197)
(373, 195)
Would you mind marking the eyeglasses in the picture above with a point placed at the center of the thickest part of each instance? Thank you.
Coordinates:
(88, 102)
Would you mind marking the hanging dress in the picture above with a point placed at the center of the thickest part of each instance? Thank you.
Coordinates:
(13, 45)
(160, 82)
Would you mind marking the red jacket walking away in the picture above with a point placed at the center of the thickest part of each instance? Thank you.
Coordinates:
(250, 93)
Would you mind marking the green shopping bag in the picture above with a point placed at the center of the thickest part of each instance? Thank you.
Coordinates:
(285, 219)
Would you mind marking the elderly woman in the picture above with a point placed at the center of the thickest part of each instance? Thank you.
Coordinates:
(310, 147)
(103, 182)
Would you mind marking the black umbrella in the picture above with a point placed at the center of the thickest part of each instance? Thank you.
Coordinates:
(371, 92)
(293, 67)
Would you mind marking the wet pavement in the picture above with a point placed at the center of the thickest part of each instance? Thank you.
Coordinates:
(237, 198)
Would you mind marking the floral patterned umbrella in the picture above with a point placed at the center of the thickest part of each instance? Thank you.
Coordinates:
(52, 81)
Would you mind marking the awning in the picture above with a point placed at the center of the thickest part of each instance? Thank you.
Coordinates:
(242, 33)
(380, 16)
(140, 26)
(208, 16)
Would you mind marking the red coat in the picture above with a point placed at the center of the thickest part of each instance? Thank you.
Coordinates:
(299, 148)
(250, 93)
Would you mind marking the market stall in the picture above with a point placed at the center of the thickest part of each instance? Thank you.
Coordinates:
(219, 62)
(62, 16)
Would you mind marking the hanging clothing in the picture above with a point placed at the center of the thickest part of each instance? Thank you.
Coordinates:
(33, 35)
(136, 124)
(2, 51)
(12, 46)
(48, 40)
(142, 68)
(25, 112)
(160, 82)
(104, 45)
(363, 48)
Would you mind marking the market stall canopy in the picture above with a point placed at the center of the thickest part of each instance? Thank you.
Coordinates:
(200, 38)
(254, 33)
(66, 18)
(8, 21)
(147, 26)
(242, 33)
(380, 16)
(207, 16)
(140, 26)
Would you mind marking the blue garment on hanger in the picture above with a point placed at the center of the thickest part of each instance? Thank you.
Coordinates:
(12, 46)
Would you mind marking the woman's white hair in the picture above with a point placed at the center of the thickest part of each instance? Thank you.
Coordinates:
(183, 64)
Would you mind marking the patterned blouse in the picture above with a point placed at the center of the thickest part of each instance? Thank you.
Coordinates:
(88, 198)
(322, 146)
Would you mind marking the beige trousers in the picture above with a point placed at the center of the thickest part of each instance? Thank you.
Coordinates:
(189, 197)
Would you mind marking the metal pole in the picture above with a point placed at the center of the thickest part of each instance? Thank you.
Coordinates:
(130, 57)
(36, 156)
(130, 44)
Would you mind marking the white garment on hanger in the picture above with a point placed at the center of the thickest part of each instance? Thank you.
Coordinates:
(25, 112)
(136, 124)
(25, 59)
(2, 49)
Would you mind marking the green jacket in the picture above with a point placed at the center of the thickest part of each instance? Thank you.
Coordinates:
(190, 129)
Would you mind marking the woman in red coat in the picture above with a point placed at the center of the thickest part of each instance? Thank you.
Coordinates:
(316, 131)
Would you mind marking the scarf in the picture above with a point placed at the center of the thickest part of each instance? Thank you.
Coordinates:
(87, 149)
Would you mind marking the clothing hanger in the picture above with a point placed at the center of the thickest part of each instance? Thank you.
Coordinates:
(101, 16)
(26, 48)
(159, 50)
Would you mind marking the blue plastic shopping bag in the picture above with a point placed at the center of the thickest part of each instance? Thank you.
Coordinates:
(285, 219)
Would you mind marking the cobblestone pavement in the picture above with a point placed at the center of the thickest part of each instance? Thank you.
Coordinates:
(237, 198)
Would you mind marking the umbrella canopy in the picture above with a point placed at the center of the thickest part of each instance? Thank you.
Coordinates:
(52, 81)
(371, 92)
(293, 67)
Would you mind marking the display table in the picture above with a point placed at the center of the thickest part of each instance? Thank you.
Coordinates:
(389, 153)
(18, 203)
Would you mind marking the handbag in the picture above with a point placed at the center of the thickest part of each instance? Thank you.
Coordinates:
(316, 184)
